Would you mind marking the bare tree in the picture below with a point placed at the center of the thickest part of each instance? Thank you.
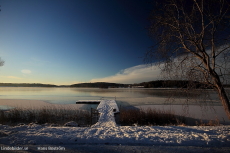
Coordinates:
(193, 42)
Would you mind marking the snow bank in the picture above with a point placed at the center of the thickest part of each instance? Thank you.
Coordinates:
(155, 135)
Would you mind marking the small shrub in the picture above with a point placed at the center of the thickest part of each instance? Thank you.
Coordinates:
(45, 115)
(2, 117)
(148, 117)
(208, 123)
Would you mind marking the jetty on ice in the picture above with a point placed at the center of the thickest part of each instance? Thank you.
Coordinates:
(106, 110)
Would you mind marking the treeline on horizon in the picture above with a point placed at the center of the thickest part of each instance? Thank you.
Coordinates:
(100, 85)
(175, 84)
(26, 85)
(150, 84)
(172, 84)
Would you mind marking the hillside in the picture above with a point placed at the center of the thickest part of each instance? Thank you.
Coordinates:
(26, 85)
(172, 84)
(100, 85)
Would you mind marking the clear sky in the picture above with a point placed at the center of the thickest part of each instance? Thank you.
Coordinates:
(72, 41)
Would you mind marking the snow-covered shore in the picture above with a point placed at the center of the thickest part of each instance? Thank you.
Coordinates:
(107, 132)
(34, 134)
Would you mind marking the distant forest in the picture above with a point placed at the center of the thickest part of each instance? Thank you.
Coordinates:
(26, 85)
(100, 85)
(172, 84)
(150, 84)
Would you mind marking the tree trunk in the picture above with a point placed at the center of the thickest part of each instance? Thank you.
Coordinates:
(222, 95)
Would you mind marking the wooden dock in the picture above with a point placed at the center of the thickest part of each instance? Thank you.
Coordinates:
(88, 101)
(106, 110)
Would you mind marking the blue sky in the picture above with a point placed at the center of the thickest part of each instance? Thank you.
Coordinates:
(72, 41)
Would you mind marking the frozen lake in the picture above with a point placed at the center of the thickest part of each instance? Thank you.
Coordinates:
(199, 101)
(124, 96)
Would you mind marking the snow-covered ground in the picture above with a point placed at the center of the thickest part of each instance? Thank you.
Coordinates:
(155, 135)
(107, 132)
